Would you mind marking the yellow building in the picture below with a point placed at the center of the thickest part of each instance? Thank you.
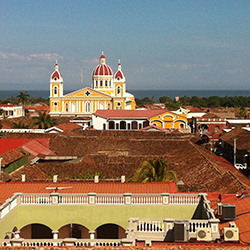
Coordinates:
(138, 119)
(108, 92)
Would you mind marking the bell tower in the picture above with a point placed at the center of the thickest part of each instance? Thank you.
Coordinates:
(56, 83)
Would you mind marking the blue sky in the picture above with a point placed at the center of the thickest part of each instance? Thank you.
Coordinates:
(162, 44)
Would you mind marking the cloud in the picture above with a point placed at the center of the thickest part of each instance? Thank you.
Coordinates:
(13, 57)
(216, 44)
(90, 61)
(45, 57)
(185, 66)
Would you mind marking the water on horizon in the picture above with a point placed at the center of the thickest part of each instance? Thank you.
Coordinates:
(4, 94)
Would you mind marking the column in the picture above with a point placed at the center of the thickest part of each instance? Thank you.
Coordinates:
(55, 234)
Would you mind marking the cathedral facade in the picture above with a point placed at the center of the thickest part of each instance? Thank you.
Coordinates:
(108, 92)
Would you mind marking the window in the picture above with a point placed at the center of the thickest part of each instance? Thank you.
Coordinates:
(96, 83)
(109, 83)
(55, 78)
(118, 90)
(118, 106)
(87, 107)
(66, 107)
(101, 83)
(55, 103)
(108, 105)
(55, 90)
(106, 83)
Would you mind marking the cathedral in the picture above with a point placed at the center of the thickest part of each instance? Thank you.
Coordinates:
(108, 92)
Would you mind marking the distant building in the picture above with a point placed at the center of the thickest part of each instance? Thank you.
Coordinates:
(138, 119)
(11, 111)
(108, 92)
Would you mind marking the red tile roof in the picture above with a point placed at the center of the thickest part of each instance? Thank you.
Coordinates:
(131, 113)
(68, 126)
(12, 155)
(8, 144)
(154, 127)
(9, 188)
(34, 147)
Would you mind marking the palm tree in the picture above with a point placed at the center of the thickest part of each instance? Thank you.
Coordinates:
(20, 125)
(155, 171)
(23, 98)
(44, 121)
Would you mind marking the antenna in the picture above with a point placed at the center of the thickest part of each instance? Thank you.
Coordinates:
(58, 188)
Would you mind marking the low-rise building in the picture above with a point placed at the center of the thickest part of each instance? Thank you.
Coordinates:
(137, 119)
(11, 111)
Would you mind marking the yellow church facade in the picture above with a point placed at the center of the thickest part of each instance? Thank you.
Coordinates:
(108, 92)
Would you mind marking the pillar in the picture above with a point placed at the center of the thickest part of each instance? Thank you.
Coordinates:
(55, 234)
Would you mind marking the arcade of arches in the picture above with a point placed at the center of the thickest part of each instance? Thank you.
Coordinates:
(73, 230)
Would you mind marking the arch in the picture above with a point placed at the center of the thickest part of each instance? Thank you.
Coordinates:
(182, 125)
(145, 124)
(55, 91)
(73, 230)
(157, 123)
(166, 117)
(110, 231)
(118, 90)
(217, 129)
(203, 126)
(134, 125)
(66, 107)
(111, 125)
(73, 107)
(123, 125)
(204, 138)
(36, 231)
(87, 107)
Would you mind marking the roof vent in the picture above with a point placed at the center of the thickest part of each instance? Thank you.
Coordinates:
(55, 177)
(96, 179)
(123, 179)
(23, 177)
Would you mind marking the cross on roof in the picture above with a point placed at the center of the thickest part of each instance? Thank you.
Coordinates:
(87, 93)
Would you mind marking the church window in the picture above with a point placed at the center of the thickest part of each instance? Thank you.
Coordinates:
(87, 107)
(55, 103)
(96, 83)
(73, 107)
(118, 78)
(109, 83)
(55, 78)
(55, 90)
(106, 83)
(66, 107)
(118, 90)
(119, 106)
(101, 83)
(108, 105)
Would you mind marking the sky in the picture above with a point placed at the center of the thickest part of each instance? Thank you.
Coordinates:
(162, 44)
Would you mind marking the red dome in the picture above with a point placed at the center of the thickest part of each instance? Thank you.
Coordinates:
(102, 56)
(119, 74)
(56, 75)
(102, 70)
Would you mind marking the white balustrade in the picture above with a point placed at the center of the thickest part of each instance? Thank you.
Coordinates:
(194, 224)
(151, 226)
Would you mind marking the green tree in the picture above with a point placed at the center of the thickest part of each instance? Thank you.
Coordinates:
(23, 98)
(242, 112)
(44, 121)
(156, 170)
(20, 125)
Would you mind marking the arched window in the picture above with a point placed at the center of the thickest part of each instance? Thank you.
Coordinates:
(106, 83)
(109, 83)
(101, 83)
(118, 106)
(87, 107)
(96, 83)
(118, 90)
(66, 107)
(108, 105)
(55, 90)
(73, 107)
